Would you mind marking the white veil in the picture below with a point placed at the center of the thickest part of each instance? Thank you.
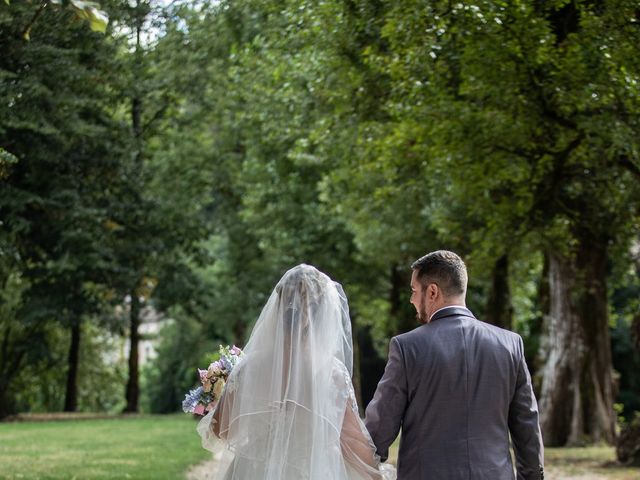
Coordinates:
(282, 414)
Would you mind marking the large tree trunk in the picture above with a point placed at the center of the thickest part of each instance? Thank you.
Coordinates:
(499, 309)
(133, 389)
(71, 394)
(576, 404)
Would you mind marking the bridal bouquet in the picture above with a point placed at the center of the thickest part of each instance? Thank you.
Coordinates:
(204, 398)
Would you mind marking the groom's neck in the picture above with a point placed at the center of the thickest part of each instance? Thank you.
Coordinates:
(453, 302)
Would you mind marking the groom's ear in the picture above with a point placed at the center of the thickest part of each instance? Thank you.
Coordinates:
(432, 291)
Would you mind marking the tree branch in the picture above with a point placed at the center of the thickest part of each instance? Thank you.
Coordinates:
(157, 116)
(626, 163)
(27, 30)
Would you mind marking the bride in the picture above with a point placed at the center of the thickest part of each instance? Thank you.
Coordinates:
(288, 411)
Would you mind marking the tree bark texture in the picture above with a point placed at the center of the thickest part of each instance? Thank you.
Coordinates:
(133, 388)
(499, 309)
(576, 401)
(71, 393)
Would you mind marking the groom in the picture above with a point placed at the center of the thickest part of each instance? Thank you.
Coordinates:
(457, 387)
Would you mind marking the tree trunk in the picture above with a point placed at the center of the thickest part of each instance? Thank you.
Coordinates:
(133, 389)
(71, 394)
(576, 404)
(239, 332)
(400, 315)
(499, 310)
(5, 402)
(11, 362)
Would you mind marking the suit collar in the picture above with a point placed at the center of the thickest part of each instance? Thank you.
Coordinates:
(453, 311)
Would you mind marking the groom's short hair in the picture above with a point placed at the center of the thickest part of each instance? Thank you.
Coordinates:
(444, 268)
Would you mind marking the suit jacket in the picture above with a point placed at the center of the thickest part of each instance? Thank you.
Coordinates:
(459, 389)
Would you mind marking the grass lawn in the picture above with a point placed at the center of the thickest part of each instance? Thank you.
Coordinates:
(145, 447)
(587, 462)
(165, 446)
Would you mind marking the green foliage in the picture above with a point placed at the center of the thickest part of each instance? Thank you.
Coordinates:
(102, 374)
(509, 120)
(625, 342)
(88, 11)
(25, 342)
(84, 10)
(55, 202)
(38, 383)
(527, 276)
(184, 346)
(6, 160)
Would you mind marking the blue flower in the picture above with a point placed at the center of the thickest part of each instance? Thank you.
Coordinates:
(191, 399)
(228, 366)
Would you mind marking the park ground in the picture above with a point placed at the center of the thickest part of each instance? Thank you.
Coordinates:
(590, 463)
(167, 447)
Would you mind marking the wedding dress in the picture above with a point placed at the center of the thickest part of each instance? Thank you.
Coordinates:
(288, 411)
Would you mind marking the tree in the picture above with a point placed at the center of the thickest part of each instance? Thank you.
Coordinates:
(54, 201)
(524, 114)
(83, 9)
(159, 217)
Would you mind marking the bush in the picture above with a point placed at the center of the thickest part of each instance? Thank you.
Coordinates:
(628, 445)
(183, 348)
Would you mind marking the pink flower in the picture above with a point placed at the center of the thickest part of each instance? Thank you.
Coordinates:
(199, 410)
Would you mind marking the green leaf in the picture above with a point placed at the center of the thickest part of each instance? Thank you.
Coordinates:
(98, 20)
(90, 11)
(6, 160)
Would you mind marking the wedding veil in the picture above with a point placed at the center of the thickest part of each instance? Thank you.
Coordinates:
(282, 411)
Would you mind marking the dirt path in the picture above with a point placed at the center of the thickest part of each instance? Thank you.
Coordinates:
(206, 470)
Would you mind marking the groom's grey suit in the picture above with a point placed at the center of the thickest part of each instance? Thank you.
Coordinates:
(457, 387)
